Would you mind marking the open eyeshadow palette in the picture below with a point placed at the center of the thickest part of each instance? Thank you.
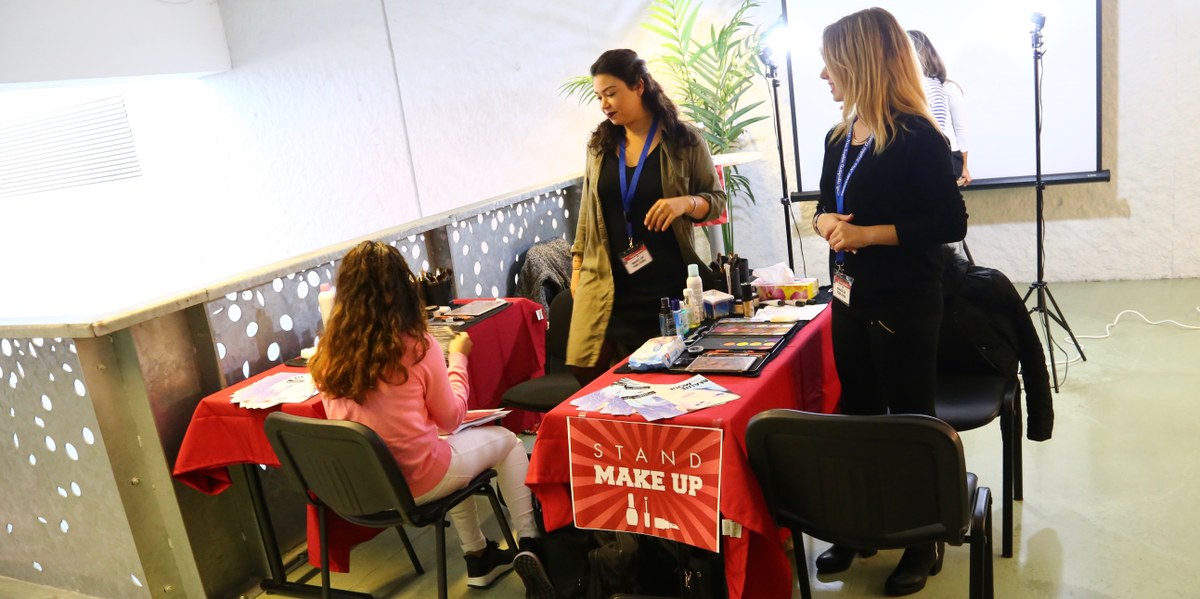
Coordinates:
(734, 346)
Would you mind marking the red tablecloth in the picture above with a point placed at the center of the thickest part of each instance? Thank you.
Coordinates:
(508, 348)
(802, 376)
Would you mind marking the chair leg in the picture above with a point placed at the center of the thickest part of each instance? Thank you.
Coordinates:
(989, 585)
(981, 545)
(412, 555)
(441, 551)
(1018, 475)
(801, 564)
(323, 540)
(1009, 441)
(500, 519)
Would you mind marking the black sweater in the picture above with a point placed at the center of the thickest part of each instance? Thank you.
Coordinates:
(910, 185)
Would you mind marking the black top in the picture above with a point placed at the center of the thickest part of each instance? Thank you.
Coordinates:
(666, 275)
(910, 185)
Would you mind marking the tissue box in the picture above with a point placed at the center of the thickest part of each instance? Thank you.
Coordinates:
(800, 289)
(657, 353)
(717, 304)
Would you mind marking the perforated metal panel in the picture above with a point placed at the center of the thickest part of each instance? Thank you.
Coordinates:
(61, 518)
(489, 249)
(255, 329)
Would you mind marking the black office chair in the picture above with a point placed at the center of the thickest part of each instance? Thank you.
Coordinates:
(987, 336)
(542, 394)
(346, 467)
(871, 481)
(968, 401)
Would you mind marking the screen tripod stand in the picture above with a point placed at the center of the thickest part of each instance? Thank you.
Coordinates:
(789, 217)
(1042, 289)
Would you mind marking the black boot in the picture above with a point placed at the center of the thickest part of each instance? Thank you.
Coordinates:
(917, 564)
(837, 558)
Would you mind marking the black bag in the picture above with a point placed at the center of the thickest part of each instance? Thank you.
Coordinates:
(613, 566)
(703, 575)
(567, 552)
(585, 564)
(670, 569)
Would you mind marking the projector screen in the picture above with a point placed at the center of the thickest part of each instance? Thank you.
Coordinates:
(988, 51)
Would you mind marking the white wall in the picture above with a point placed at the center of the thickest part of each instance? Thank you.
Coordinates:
(1142, 225)
(314, 138)
(54, 40)
(340, 118)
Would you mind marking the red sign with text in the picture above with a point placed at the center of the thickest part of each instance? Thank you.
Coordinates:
(653, 479)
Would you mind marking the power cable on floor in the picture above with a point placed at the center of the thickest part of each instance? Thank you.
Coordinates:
(1109, 327)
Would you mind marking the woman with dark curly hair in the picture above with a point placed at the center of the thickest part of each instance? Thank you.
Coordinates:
(649, 178)
(377, 365)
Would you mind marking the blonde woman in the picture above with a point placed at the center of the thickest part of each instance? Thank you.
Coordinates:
(888, 202)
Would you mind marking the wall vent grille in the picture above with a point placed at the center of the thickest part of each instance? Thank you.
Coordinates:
(71, 147)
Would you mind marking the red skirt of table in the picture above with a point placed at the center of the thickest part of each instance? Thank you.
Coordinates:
(802, 377)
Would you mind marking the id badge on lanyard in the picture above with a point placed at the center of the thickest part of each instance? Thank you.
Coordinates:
(638, 255)
(841, 287)
(842, 282)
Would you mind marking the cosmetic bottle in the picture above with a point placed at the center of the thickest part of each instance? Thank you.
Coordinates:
(666, 320)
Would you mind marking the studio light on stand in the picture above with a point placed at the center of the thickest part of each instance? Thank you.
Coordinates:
(774, 45)
(1051, 311)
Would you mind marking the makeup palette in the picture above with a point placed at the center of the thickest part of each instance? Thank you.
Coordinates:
(734, 346)
(770, 329)
(740, 343)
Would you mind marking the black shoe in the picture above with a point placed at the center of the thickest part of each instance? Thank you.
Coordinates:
(484, 569)
(916, 565)
(529, 567)
(837, 558)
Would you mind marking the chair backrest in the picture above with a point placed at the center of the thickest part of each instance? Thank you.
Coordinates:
(862, 481)
(560, 329)
(345, 464)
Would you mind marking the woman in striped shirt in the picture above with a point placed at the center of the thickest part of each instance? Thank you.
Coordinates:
(946, 102)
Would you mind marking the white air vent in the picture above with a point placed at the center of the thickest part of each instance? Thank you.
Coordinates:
(71, 147)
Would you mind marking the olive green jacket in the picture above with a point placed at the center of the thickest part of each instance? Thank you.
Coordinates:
(685, 171)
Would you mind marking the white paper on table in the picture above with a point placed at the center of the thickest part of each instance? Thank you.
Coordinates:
(788, 313)
(693, 394)
(608, 400)
(653, 408)
(276, 389)
(655, 402)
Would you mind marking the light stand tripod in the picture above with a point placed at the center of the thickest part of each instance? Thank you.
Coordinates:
(1040, 286)
(765, 54)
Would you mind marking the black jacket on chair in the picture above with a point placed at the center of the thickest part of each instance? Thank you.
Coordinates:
(986, 324)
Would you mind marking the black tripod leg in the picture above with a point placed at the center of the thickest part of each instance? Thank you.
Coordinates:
(1040, 309)
(1058, 317)
(1049, 342)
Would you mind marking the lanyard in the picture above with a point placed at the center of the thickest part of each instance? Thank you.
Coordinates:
(628, 187)
(843, 177)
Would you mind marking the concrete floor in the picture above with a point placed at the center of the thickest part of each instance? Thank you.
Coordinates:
(1107, 500)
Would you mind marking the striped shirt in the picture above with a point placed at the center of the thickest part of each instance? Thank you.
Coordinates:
(936, 97)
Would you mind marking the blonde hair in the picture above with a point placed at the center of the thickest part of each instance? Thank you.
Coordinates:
(872, 60)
